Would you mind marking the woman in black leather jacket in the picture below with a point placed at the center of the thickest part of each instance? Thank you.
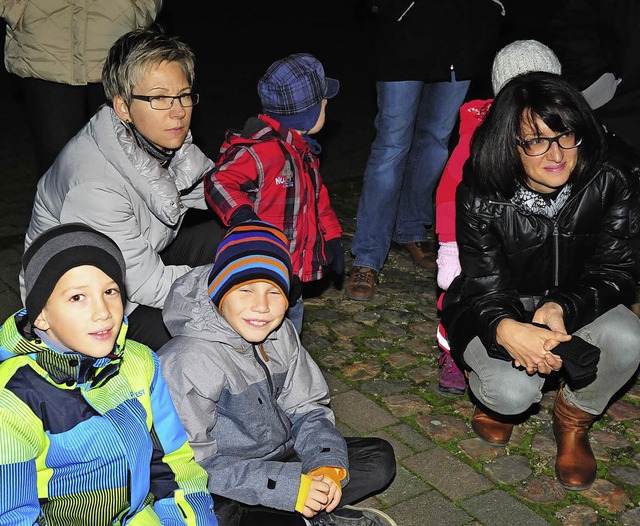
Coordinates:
(544, 226)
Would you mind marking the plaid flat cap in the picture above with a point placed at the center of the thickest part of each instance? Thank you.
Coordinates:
(292, 89)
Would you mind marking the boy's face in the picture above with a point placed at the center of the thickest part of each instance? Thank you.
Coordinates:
(84, 312)
(254, 310)
(321, 118)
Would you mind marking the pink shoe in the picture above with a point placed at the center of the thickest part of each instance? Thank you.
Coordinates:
(452, 379)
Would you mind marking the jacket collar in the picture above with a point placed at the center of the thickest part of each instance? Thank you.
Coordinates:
(287, 135)
(62, 368)
(160, 188)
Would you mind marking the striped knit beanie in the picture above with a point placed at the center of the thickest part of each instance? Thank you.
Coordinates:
(252, 251)
(60, 249)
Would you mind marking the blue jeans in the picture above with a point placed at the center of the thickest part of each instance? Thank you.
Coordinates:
(509, 391)
(296, 314)
(408, 154)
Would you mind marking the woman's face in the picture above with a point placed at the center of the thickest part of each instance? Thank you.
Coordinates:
(548, 172)
(164, 128)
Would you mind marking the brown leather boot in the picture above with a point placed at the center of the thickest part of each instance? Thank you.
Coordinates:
(490, 430)
(575, 464)
(421, 255)
(361, 283)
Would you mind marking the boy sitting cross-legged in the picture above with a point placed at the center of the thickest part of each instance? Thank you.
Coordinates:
(254, 403)
(88, 433)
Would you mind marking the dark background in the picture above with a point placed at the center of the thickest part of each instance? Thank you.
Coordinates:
(236, 41)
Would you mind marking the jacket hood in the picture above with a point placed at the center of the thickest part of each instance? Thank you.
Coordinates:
(259, 129)
(188, 311)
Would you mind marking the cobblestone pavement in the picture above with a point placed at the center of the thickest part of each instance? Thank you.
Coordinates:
(380, 358)
(381, 362)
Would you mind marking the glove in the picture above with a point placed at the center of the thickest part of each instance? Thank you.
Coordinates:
(334, 254)
(242, 214)
(448, 264)
(601, 91)
(579, 358)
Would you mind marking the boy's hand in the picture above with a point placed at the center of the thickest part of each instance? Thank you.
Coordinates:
(324, 495)
(318, 496)
(242, 214)
(334, 252)
(335, 494)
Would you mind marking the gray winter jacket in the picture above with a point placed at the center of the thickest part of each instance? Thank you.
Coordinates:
(246, 409)
(104, 179)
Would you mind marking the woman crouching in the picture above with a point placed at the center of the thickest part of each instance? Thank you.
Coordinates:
(548, 272)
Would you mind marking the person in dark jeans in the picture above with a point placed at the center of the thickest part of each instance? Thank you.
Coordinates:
(426, 53)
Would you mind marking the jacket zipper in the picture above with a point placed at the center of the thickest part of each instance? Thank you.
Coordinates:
(556, 231)
(556, 253)
(264, 367)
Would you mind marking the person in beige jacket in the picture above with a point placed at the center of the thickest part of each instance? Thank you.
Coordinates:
(57, 49)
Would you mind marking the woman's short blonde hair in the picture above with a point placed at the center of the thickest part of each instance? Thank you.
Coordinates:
(134, 53)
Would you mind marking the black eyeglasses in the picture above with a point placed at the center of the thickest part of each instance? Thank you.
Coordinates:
(165, 102)
(541, 145)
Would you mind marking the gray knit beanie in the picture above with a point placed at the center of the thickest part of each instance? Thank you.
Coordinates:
(60, 249)
(522, 56)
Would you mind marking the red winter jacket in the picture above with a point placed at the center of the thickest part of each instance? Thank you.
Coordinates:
(271, 168)
(471, 116)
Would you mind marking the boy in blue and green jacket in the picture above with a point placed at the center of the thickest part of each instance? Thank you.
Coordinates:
(88, 432)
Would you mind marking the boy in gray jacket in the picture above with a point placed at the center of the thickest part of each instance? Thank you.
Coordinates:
(254, 403)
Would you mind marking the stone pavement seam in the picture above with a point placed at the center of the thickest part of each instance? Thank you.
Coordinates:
(381, 357)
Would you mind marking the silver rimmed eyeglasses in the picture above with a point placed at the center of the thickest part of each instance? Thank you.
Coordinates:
(165, 102)
(541, 145)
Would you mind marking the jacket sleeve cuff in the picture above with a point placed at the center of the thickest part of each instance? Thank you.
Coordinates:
(305, 486)
(335, 474)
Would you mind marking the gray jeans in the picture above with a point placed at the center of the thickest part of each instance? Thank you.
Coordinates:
(502, 388)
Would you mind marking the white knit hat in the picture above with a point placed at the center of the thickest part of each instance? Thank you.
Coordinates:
(522, 56)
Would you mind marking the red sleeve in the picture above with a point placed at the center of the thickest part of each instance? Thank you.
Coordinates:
(329, 224)
(471, 116)
(227, 186)
(446, 192)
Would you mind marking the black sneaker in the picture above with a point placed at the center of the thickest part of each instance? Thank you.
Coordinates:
(352, 516)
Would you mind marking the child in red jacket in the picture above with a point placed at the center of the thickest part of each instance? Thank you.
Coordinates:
(270, 170)
(521, 56)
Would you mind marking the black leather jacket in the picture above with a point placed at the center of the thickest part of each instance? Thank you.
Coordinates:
(514, 261)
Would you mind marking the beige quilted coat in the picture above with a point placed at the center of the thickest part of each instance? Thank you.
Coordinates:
(66, 41)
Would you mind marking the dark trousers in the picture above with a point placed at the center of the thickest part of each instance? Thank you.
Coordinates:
(55, 113)
(372, 466)
(195, 245)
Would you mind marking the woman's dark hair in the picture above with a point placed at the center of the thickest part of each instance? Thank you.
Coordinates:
(495, 160)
